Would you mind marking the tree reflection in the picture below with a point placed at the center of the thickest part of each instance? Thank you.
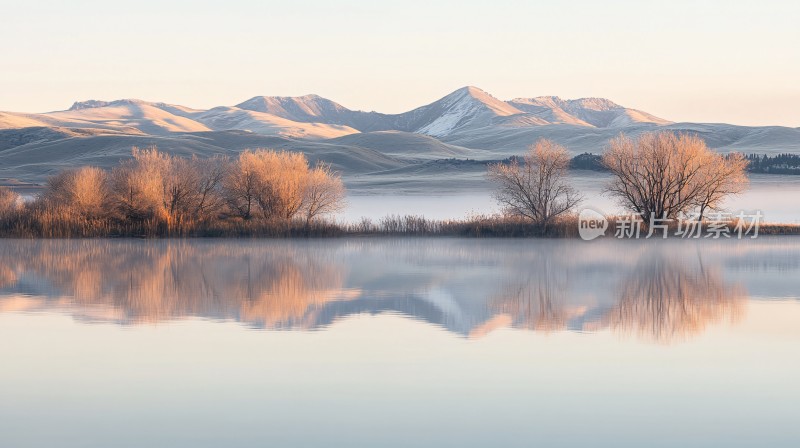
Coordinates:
(661, 296)
(7, 276)
(270, 285)
(667, 299)
(538, 302)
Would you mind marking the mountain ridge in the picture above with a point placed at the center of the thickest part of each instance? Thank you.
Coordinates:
(313, 116)
(465, 108)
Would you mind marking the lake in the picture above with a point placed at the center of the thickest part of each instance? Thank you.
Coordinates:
(384, 342)
(459, 195)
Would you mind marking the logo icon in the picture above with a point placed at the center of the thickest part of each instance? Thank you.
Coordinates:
(591, 224)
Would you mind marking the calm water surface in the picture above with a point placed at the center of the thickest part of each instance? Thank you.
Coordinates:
(399, 342)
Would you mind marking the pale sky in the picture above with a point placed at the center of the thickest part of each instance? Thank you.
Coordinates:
(708, 61)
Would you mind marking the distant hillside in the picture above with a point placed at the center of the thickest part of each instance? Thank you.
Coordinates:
(40, 153)
(406, 145)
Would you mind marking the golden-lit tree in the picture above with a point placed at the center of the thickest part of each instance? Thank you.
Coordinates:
(83, 190)
(240, 185)
(324, 193)
(538, 188)
(137, 185)
(280, 185)
(664, 174)
(173, 189)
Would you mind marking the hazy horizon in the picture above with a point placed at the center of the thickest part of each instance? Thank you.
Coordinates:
(707, 61)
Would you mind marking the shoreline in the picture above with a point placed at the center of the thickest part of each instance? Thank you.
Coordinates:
(389, 226)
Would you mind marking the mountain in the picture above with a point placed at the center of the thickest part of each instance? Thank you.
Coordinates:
(306, 109)
(596, 112)
(463, 127)
(468, 107)
(315, 109)
(464, 109)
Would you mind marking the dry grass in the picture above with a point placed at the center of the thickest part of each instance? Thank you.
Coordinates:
(39, 222)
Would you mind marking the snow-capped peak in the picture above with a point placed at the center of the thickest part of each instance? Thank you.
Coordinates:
(466, 106)
(482, 98)
(94, 104)
(599, 104)
(89, 104)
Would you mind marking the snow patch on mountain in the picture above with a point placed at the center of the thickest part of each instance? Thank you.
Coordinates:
(466, 106)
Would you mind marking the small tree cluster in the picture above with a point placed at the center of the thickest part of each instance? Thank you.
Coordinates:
(774, 164)
(170, 189)
(178, 193)
(281, 186)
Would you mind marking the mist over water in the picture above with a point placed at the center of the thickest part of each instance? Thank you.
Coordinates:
(460, 195)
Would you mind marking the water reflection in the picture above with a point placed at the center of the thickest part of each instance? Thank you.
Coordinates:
(667, 299)
(539, 301)
(662, 291)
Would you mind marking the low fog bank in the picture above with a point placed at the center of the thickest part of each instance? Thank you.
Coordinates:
(460, 194)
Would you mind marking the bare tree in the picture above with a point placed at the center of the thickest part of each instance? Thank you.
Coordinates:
(664, 174)
(325, 193)
(210, 175)
(536, 189)
(240, 185)
(181, 193)
(127, 198)
(724, 176)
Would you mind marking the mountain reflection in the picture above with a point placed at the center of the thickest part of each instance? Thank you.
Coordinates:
(661, 292)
